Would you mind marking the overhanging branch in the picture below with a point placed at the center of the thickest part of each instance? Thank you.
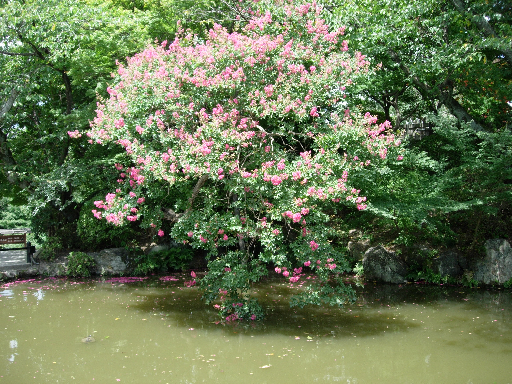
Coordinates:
(171, 215)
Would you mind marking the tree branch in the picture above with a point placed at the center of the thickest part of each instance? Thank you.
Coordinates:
(483, 25)
(171, 215)
(17, 53)
(446, 98)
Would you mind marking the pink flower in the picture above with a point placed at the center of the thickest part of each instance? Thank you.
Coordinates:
(288, 214)
(140, 200)
(332, 266)
(276, 180)
(307, 263)
(313, 245)
(286, 273)
(225, 237)
(296, 217)
(275, 231)
(399, 158)
(190, 234)
(253, 317)
(277, 269)
(74, 134)
(193, 274)
(294, 279)
(160, 233)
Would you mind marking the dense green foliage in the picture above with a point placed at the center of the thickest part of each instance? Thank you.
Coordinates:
(80, 264)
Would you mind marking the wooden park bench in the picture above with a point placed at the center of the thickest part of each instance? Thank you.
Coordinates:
(17, 236)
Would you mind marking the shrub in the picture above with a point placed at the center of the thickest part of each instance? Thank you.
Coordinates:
(80, 264)
(50, 248)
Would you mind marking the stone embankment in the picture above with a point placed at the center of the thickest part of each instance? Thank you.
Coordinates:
(379, 264)
(109, 262)
(493, 267)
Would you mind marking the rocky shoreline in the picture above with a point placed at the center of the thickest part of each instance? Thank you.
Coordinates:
(380, 264)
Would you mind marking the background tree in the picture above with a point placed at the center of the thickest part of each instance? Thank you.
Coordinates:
(446, 62)
(56, 56)
(455, 54)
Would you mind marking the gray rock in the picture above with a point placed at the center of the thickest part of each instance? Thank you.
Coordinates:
(382, 265)
(496, 265)
(111, 261)
(159, 248)
(54, 268)
(355, 233)
(358, 248)
(447, 264)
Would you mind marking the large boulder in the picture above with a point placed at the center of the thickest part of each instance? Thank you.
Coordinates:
(56, 267)
(448, 263)
(382, 265)
(358, 248)
(496, 265)
(111, 262)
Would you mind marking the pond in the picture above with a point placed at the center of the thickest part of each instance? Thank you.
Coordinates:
(159, 331)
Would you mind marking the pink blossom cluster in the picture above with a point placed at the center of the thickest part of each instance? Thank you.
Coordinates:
(297, 273)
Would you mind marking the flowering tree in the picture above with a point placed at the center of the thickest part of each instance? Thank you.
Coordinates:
(244, 144)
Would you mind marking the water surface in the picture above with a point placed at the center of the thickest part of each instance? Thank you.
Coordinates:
(156, 331)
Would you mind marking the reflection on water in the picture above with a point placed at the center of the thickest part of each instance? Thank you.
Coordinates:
(158, 331)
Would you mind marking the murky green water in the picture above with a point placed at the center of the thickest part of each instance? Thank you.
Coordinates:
(160, 332)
